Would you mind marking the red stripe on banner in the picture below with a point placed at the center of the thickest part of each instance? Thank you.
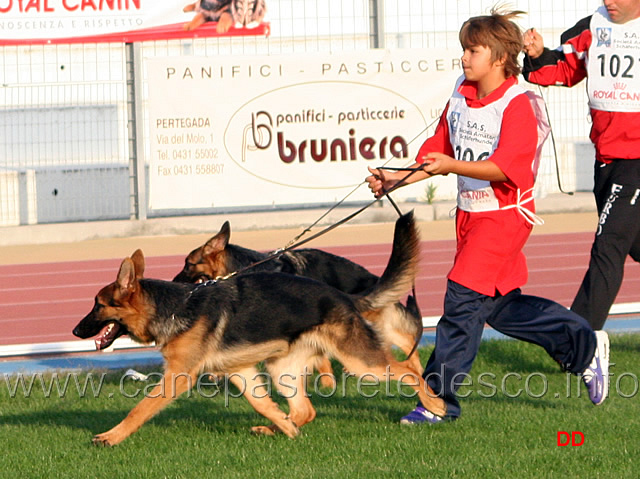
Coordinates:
(174, 31)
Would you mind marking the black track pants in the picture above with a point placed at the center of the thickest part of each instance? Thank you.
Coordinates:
(617, 194)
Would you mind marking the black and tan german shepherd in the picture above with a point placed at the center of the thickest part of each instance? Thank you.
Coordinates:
(230, 326)
(228, 13)
(210, 11)
(218, 258)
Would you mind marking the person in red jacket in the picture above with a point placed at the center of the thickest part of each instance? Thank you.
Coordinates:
(488, 135)
(604, 48)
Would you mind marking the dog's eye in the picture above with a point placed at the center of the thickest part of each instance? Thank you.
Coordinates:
(113, 304)
(189, 264)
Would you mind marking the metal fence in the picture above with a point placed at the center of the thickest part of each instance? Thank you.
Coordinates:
(72, 117)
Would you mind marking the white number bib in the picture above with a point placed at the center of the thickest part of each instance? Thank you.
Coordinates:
(613, 64)
(475, 133)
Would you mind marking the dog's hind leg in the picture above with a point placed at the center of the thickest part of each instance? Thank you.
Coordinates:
(401, 327)
(290, 376)
(255, 391)
(406, 342)
(429, 399)
(322, 364)
(380, 365)
(172, 385)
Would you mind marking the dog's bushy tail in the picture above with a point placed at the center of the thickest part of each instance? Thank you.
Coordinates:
(399, 275)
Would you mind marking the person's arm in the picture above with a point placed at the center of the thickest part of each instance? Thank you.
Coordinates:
(563, 66)
(441, 164)
(383, 180)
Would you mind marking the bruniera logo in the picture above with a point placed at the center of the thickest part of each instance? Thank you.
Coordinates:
(323, 149)
(322, 134)
(573, 438)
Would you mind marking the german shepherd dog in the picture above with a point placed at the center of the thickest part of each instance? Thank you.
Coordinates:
(276, 318)
(218, 258)
(210, 11)
(228, 13)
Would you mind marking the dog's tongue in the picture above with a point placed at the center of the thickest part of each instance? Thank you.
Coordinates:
(107, 336)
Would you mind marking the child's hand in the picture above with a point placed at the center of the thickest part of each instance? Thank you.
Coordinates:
(533, 43)
(380, 181)
(438, 164)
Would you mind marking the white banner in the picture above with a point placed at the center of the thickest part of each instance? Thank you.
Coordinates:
(288, 130)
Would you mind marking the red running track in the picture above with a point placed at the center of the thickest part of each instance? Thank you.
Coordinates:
(41, 303)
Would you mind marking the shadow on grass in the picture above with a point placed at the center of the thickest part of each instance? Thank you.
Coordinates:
(195, 413)
(83, 420)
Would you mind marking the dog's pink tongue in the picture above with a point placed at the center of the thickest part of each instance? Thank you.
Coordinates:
(106, 336)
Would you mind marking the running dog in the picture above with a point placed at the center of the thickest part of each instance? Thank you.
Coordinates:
(218, 258)
(276, 318)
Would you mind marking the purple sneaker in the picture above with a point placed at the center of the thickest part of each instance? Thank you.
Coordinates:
(420, 416)
(596, 376)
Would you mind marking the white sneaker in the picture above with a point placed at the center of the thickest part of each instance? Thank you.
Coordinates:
(596, 376)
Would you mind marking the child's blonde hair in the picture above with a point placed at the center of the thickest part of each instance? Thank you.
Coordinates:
(498, 32)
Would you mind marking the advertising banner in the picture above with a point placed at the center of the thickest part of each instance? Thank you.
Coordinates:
(288, 130)
(85, 21)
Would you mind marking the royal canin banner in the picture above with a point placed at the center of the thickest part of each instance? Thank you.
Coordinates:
(29, 22)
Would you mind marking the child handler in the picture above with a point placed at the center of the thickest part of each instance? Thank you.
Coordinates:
(488, 136)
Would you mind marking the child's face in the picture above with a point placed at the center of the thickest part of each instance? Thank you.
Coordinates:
(477, 62)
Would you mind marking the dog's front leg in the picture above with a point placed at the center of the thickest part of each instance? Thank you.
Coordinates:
(225, 22)
(198, 20)
(248, 381)
(170, 387)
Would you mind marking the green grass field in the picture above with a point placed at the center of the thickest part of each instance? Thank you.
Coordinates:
(516, 401)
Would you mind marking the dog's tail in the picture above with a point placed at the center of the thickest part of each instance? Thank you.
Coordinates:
(401, 270)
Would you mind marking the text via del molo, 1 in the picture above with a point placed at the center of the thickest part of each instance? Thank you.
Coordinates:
(186, 153)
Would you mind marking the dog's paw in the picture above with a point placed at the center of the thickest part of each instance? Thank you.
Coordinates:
(108, 439)
(225, 22)
(102, 440)
(264, 430)
(439, 408)
(287, 427)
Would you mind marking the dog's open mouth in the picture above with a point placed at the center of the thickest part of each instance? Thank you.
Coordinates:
(108, 335)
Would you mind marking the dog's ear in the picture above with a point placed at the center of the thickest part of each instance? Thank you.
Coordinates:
(126, 276)
(219, 242)
(138, 262)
